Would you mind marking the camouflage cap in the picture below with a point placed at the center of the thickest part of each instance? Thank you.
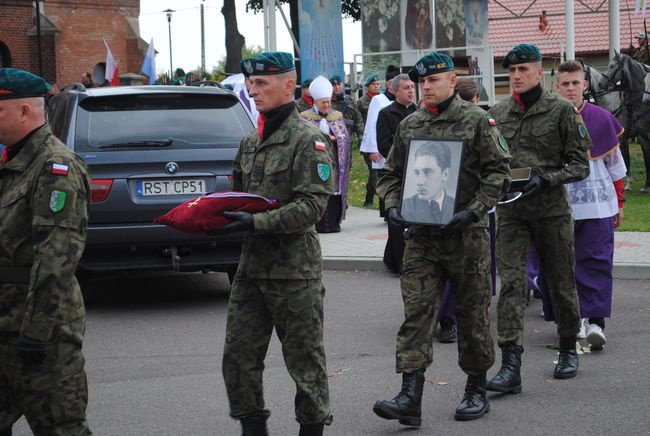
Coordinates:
(373, 78)
(335, 79)
(267, 63)
(15, 83)
(522, 54)
(432, 63)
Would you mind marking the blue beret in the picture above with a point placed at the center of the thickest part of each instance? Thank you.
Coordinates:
(522, 54)
(335, 79)
(267, 63)
(15, 83)
(432, 63)
(373, 78)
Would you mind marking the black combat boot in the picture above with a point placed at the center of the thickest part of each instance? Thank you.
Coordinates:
(254, 426)
(475, 403)
(311, 430)
(508, 379)
(406, 405)
(567, 363)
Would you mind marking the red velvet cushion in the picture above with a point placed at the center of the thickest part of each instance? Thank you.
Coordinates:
(203, 214)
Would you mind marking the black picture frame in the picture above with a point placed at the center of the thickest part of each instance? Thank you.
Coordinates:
(422, 155)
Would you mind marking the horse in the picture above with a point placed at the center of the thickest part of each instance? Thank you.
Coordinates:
(628, 77)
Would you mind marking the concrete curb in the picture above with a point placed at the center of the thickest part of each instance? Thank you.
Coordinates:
(626, 271)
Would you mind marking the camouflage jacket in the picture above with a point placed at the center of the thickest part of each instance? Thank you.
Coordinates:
(293, 166)
(353, 121)
(552, 139)
(302, 105)
(484, 176)
(641, 55)
(44, 201)
(362, 106)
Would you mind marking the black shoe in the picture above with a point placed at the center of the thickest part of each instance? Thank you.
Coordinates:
(448, 332)
(368, 203)
(508, 379)
(475, 403)
(311, 430)
(406, 406)
(567, 363)
(254, 426)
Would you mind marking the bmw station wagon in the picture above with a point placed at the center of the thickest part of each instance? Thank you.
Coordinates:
(150, 148)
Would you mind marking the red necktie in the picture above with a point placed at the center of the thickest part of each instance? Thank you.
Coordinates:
(433, 109)
(260, 127)
(5, 159)
(517, 98)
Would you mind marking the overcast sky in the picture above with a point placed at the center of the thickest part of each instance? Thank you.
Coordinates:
(186, 32)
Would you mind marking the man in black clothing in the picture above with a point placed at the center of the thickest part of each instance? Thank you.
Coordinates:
(393, 114)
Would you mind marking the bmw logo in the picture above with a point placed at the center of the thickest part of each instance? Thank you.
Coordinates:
(171, 167)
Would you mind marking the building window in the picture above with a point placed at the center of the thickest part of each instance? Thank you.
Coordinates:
(5, 56)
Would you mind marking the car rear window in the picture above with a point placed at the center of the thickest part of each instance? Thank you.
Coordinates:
(183, 120)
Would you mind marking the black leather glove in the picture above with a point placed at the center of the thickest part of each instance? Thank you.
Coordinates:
(241, 222)
(31, 351)
(460, 221)
(536, 184)
(395, 218)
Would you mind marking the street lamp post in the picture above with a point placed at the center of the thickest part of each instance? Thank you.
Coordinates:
(168, 12)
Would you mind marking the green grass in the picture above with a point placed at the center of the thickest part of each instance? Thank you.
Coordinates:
(637, 205)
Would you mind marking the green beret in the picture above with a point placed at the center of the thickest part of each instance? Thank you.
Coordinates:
(522, 54)
(335, 79)
(432, 63)
(15, 83)
(267, 63)
(305, 83)
(373, 78)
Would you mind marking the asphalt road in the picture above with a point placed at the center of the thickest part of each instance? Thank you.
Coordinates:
(153, 349)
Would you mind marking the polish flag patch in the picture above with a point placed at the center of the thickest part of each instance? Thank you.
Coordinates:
(60, 169)
(492, 122)
(320, 146)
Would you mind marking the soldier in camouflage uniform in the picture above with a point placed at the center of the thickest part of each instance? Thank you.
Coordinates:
(44, 198)
(278, 282)
(373, 86)
(346, 105)
(641, 52)
(459, 251)
(305, 102)
(544, 132)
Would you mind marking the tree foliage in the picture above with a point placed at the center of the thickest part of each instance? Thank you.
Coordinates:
(217, 72)
(349, 8)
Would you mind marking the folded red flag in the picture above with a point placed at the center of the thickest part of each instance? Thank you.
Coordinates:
(205, 213)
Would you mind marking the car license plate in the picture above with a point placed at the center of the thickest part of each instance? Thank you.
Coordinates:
(171, 187)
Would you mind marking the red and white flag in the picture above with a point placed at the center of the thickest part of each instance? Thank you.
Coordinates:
(111, 67)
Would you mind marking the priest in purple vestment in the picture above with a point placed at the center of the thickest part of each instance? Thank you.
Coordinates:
(332, 123)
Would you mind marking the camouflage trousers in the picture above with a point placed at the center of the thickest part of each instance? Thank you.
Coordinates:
(553, 238)
(430, 258)
(53, 395)
(295, 309)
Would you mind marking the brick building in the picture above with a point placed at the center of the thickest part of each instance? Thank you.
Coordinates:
(71, 37)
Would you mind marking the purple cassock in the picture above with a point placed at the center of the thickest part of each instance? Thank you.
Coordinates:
(593, 202)
(336, 126)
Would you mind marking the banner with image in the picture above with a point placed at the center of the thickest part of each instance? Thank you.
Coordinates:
(478, 54)
(418, 29)
(381, 33)
(321, 39)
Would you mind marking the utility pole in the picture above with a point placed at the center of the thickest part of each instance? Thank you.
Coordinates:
(202, 40)
(168, 12)
(39, 37)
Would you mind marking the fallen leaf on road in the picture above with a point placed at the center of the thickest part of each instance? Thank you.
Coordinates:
(337, 372)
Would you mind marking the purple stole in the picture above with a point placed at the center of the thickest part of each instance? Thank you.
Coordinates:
(603, 129)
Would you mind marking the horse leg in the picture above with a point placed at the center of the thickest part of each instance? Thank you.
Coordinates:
(625, 151)
(644, 140)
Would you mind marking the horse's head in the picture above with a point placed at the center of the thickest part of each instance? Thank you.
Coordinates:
(614, 73)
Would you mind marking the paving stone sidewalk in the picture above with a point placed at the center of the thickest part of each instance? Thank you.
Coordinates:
(360, 246)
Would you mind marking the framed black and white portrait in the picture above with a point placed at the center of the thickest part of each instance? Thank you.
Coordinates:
(430, 181)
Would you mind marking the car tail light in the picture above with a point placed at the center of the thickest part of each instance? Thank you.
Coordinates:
(100, 190)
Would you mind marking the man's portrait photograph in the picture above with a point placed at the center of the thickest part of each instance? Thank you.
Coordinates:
(431, 181)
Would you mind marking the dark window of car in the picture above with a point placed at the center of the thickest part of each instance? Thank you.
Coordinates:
(181, 120)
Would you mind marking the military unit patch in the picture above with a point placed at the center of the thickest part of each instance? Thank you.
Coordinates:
(318, 145)
(503, 143)
(323, 170)
(582, 130)
(57, 201)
